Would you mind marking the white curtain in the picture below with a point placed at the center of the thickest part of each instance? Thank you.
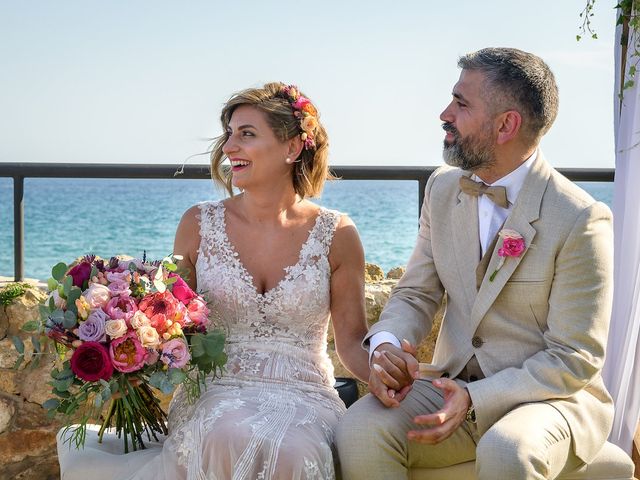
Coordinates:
(622, 366)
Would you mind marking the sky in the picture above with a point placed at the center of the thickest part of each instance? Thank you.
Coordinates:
(142, 81)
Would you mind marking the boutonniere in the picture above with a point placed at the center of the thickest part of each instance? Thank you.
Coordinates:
(512, 246)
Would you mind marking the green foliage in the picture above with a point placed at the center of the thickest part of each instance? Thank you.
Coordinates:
(630, 20)
(58, 271)
(11, 291)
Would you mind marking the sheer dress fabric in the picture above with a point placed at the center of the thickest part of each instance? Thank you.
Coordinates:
(273, 413)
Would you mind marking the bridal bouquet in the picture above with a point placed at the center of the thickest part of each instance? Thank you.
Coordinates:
(120, 327)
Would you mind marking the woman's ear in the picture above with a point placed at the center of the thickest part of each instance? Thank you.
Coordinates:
(295, 146)
(509, 124)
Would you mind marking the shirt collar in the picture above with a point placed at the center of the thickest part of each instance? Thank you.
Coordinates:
(514, 180)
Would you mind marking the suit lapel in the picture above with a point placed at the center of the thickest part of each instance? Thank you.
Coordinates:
(466, 242)
(525, 211)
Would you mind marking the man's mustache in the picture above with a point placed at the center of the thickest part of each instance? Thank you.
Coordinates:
(448, 127)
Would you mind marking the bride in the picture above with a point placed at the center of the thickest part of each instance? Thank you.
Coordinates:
(274, 267)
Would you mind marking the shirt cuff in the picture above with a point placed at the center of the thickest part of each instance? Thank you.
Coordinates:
(379, 338)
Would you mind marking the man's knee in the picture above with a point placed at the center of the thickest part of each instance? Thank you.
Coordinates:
(502, 453)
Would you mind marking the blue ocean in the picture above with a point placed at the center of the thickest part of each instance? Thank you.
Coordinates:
(67, 218)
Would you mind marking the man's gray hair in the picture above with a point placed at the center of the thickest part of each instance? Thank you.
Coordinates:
(517, 80)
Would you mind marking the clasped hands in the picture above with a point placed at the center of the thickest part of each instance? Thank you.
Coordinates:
(392, 375)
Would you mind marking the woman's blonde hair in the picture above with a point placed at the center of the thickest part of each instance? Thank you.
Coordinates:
(310, 169)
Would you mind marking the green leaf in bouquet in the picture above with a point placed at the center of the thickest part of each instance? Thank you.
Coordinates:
(31, 326)
(44, 310)
(60, 292)
(61, 394)
(67, 284)
(176, 376)
(51, 404)
(94, 271)
(156, 378)
(58, 271)
(18, 343)
(213, 343)
(69, 320)
(170, 281)
(35, 341)
(19, 361)
(73, 295)
(62, 385)
(52, 284)
(171, 267)
(52, 303)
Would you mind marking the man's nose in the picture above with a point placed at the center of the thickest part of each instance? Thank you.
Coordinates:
(446, 115)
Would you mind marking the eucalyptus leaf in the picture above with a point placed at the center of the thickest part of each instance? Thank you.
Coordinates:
(31, 326)
(58, 271)
(73, 295)
(156, 379)
(70, 320)
(98, 401)
(18, 343)
(171, 280)
(18, 363)
(35, 341)
(51, 404)
(52, 284)
(68, 283)
(62, 385)
(166, 386)
(176, 376)
(94, 271)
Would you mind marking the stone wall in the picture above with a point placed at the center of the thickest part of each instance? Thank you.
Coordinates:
(27, 435)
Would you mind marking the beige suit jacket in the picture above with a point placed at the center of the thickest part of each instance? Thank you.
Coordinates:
(541, 326)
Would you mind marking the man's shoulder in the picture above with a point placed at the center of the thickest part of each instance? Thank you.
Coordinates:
(445, 176)
(567, 196)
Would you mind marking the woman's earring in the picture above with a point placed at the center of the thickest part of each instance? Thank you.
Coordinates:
(288, 160)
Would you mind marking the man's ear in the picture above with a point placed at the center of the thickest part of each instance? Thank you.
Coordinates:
(508, 124)
(295, 147)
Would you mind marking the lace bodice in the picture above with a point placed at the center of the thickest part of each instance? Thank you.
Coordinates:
(279, 335)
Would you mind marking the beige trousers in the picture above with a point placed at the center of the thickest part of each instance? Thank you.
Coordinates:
(531, 442)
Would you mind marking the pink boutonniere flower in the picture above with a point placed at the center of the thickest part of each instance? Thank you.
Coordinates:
(512, 246)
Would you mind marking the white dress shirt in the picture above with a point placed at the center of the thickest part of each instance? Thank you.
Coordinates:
(490, 218)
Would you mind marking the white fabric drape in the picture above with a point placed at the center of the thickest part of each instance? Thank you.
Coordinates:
(622, 366)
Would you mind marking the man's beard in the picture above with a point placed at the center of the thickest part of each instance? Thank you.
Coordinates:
(470, 153)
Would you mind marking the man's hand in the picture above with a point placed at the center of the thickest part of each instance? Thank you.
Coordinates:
(393, 372)
(444, 422)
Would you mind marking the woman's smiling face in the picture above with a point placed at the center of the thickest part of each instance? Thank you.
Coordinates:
(255, 153)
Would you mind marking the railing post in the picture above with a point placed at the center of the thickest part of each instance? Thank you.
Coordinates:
(18, 227)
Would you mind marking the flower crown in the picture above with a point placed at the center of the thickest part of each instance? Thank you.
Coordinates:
(304, 111)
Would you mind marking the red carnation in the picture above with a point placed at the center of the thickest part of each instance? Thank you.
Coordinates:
(90, 362)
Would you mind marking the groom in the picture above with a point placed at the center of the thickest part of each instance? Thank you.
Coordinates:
(525, 259)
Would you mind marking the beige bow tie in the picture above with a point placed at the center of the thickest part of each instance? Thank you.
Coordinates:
(498, 195)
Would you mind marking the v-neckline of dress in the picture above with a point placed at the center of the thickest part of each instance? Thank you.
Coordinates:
(248, 277)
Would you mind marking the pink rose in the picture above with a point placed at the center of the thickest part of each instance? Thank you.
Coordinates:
(123, 307)
(300, 102)
(127, 353)
(198, 311)
(97, 295)
(175, 353)
(181, 290)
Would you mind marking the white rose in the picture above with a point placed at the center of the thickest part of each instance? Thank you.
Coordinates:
(97, 295)
(115, 328)
(148, 336)
(139, 319)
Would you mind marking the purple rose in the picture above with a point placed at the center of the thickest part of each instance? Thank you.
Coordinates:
(175, 353)
(92, 329)
(80, 273)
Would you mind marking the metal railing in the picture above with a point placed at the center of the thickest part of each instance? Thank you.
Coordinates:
(20, 171)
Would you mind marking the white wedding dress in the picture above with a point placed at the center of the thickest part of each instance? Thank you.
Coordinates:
(272, 414)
